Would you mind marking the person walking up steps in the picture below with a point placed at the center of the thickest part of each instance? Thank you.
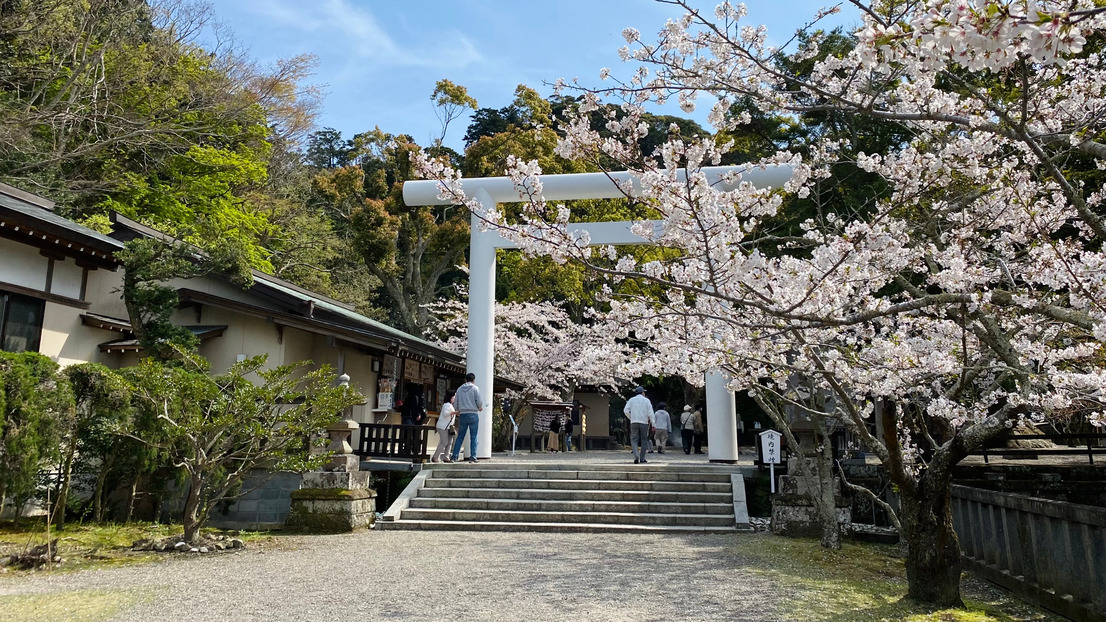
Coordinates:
(468, 404)
(639, 410)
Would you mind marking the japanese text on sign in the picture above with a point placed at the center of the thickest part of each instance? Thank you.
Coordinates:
(770, 447)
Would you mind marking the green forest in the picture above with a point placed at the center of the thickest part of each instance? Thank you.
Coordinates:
(116, 105)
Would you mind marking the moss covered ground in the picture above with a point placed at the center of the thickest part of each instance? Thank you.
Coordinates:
(866, 582)
(91, 545)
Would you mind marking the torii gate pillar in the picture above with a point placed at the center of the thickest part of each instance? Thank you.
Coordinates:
(488, 191)
(481, 336)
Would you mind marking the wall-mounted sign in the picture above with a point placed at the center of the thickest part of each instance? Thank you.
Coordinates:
(411, 370)
(391, 366)
(385, 400)
(427, 375)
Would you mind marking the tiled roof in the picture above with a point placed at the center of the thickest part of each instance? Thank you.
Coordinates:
(58, 224)
(344, 313)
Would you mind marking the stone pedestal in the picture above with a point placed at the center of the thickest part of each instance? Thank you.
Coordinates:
(337, 499)
(793, 513)
(331, 510)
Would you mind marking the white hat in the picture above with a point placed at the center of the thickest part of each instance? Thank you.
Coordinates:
(687, 408)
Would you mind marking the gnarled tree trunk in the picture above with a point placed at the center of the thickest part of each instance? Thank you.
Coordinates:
(822, 491)
(933, 562)
(63, 492)
(192, 514)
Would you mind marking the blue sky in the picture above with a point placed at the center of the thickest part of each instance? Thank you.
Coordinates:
(379, 59)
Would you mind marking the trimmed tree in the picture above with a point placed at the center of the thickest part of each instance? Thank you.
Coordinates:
(219, 430)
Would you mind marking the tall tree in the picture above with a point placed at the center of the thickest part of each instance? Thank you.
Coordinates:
(34, 401)
(413, 253)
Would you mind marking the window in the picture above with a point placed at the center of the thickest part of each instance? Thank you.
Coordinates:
(20, 322)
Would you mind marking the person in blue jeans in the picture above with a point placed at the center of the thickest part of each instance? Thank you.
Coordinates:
(468, 404)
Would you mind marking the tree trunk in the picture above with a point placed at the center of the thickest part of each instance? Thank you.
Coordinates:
(933, 562)
(63, 492)
(192, 508)
(130, 500)
(98, 495)
(822, 495)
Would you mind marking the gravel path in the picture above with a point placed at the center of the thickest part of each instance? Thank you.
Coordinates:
(397, 575)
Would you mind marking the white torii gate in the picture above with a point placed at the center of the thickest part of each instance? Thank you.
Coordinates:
(488, 191)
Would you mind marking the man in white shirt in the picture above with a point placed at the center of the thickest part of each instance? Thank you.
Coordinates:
(639, 410)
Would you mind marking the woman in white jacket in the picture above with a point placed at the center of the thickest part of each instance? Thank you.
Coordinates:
(446, 427)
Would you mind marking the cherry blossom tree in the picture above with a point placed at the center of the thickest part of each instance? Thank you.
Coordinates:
(967, 300)
(540, 347)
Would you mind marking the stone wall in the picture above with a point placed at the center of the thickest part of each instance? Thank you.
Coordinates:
(264, 507)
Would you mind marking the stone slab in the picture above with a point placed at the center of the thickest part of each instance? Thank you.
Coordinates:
(349, 480)
(740, 505)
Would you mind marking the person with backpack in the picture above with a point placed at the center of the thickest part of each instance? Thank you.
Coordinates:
(687, 428)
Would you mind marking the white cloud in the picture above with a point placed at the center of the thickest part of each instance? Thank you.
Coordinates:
(356, 31)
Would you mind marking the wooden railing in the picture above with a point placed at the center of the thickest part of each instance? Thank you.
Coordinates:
(1050, 552)
(404, 442)
(1067, 445)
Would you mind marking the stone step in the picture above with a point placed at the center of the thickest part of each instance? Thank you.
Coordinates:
(473, 471)
(578, 484)
(654, 465)
(652, 496)
(516, 505)
(618, 518)
(556, 527)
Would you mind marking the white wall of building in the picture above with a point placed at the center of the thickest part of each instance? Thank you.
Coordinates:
(23, 265)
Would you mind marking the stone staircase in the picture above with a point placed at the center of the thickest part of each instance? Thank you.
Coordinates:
(573, 497)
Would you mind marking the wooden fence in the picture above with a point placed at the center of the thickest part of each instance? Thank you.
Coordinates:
(1049, 552)
(404, 442)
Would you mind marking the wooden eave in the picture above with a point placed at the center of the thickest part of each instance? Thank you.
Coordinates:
(55, 240)
(105, 322)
